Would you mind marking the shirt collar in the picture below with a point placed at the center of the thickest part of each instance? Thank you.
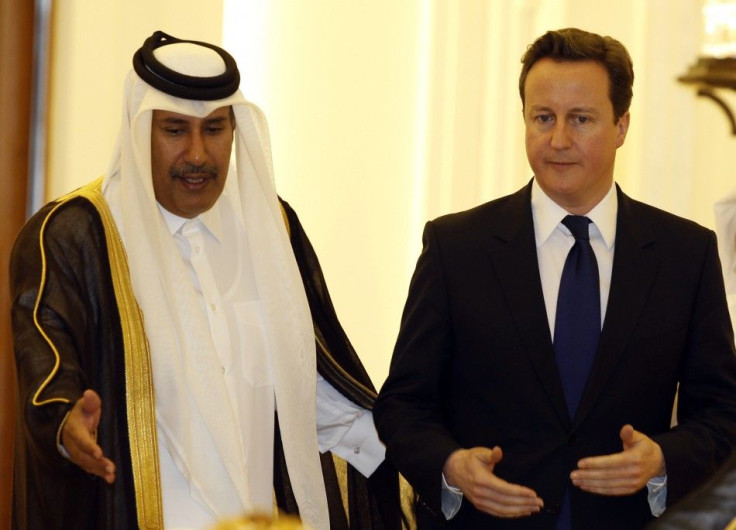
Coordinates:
(548, 215)
(210, 220)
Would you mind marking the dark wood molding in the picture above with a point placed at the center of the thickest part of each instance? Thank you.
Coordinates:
(16, 43)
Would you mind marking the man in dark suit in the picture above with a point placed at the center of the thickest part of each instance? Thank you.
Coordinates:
(507, 406)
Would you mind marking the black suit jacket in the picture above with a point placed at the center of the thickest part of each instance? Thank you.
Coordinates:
(474, 363)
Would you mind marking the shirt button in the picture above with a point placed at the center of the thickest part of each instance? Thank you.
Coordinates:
(356, 450)
(196, 249)
(213, 308)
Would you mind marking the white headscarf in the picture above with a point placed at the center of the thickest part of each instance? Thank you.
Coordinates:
(188, 381)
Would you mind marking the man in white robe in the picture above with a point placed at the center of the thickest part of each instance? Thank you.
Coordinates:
(201, 391)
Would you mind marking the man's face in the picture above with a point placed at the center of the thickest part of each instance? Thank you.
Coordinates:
(571, 136)
(189, 159)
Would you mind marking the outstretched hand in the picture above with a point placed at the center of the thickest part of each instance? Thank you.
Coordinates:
(471, 471)
(79, 436)
(621, 473)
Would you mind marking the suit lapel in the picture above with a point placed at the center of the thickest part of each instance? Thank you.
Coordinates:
(517, 269)
(634, 267)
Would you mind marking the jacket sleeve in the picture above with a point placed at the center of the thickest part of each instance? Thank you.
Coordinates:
(409, 412)
(50, 311)
(706, 410)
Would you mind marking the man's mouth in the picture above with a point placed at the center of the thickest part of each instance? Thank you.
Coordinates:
(560, 163)
(192, 180)
(192, 174)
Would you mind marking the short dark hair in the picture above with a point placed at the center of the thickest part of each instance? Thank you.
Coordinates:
(572, 44)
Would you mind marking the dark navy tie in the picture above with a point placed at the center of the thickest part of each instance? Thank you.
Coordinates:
(577, 326)
(578, 318)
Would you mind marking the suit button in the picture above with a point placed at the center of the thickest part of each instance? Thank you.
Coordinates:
(554, 508)
(572, 440)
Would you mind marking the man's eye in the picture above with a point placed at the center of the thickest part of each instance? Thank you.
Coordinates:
(544, 118)
(582, 119)
(171, 131)
(215, 130)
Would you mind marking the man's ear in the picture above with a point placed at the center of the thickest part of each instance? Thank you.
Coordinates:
(623, 128)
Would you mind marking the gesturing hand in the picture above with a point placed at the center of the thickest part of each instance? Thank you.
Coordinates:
(79, 436)
(471, 471)
(621, 473)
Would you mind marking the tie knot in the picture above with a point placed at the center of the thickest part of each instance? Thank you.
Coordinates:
(578, 225)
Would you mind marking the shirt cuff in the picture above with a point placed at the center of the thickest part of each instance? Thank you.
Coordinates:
(360, 446)
(59, 444)
(347, 430)
(452, 499)
(657, 495)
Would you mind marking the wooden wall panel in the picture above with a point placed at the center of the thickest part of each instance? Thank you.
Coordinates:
(16, 55)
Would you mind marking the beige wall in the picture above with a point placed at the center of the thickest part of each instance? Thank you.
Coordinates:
(339, 82)
(384, 114)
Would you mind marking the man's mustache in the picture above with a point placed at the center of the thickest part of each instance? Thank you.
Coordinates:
(191, 169)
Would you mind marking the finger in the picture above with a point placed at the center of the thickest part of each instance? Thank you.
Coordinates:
(77, 437)
(471, 466)
(506, 490)
(89, 456)
(506, 510)
(510, 500)
(614, 481)
(102, 467)
(598, 474)
(503, 505)
(91, 408)
(91, 401)
(85, 453)
(487, 456)
(628, 435)
(612, 487)
(489, 486)
(629, 439)
(606, 461)
(521, 496)
(496, 455)
(504, 499)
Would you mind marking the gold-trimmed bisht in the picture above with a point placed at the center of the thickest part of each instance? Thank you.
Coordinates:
(140, 406)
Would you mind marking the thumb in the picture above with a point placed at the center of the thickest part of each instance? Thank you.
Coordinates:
(627, 435)
(91, 401)
(490, 457)
(91, 407)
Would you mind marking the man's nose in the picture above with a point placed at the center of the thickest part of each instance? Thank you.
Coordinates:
(196, 152)
(560, 136)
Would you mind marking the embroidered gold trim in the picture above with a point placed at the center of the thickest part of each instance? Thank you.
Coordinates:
(139, 397)
(41, 286)
(138, 373)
